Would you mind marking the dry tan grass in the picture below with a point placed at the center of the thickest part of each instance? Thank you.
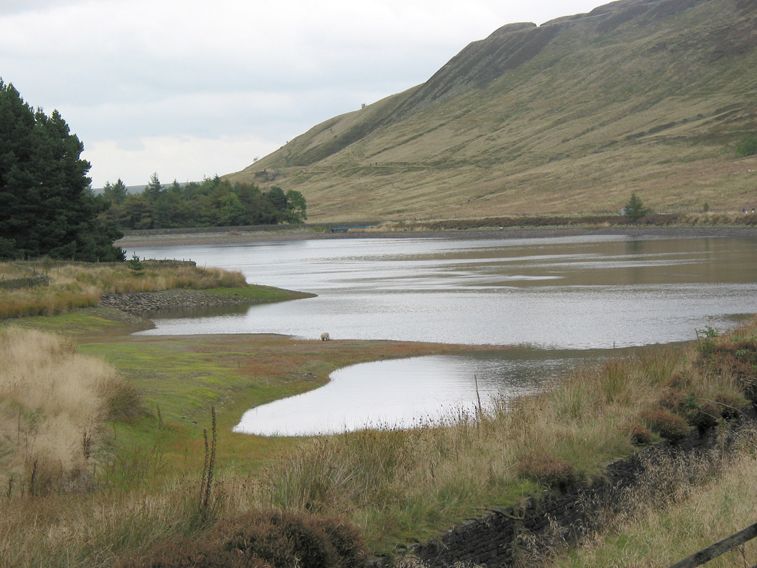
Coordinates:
(52, 405)
(88, 531)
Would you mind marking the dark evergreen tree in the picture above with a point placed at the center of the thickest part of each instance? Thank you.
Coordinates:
(154, 188)
(635, 208)
(46, 206)
(115, 193)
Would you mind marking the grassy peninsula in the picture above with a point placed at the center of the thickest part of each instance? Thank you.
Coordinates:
(48, 287)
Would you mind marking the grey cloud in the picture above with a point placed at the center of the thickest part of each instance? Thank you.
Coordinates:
(19, 6)
(270, 115)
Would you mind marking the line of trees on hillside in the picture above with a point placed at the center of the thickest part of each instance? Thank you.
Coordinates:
(211, 203)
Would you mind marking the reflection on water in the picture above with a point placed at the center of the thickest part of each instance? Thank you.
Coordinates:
(195, 312)
(569, 292)
(402, 393)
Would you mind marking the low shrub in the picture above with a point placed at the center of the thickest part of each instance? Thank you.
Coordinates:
(124, 402)
(191, 553)
(640, 435)
(730, 406)
(135, 264)
(347, 543)
(703, 416)
(262, 540)
(747, 146)
(549, 470)
(668, 425)
(698, 412)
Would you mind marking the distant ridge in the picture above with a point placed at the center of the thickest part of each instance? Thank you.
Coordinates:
(569, 117)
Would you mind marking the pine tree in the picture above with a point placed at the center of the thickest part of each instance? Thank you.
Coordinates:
(635, 209)
(115, 193)
(46, 204)
(154, 188)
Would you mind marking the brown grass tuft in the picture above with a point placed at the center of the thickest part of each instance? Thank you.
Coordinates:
(641, 435)
(668, 425)
(548, 470)
(52, 404)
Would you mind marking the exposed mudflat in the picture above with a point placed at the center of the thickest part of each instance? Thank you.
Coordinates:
(241, 236)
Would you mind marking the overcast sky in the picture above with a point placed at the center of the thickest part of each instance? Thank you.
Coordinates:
(193, 88)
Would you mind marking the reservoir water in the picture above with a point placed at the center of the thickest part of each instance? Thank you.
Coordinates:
(574, 293)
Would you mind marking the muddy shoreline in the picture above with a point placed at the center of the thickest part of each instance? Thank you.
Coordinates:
(241, 236)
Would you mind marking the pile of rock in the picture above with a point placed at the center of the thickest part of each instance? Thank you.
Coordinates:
(169, 300)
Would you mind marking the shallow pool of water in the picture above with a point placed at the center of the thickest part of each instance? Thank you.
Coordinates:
(404, 393)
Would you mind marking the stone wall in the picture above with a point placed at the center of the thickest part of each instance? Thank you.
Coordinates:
(140, 303)
(502, 537)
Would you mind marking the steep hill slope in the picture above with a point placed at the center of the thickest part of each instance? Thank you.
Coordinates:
(650, 96)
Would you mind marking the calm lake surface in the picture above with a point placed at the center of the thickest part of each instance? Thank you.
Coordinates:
(574, 293)
(571, 292)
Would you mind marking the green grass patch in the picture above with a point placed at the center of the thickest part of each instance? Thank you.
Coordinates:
(257, 294)
(747, 146)
(185, 376)
(98, 322)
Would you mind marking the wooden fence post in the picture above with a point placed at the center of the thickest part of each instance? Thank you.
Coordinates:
(718, 548)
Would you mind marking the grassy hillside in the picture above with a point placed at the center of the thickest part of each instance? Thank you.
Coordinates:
(652, 96)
